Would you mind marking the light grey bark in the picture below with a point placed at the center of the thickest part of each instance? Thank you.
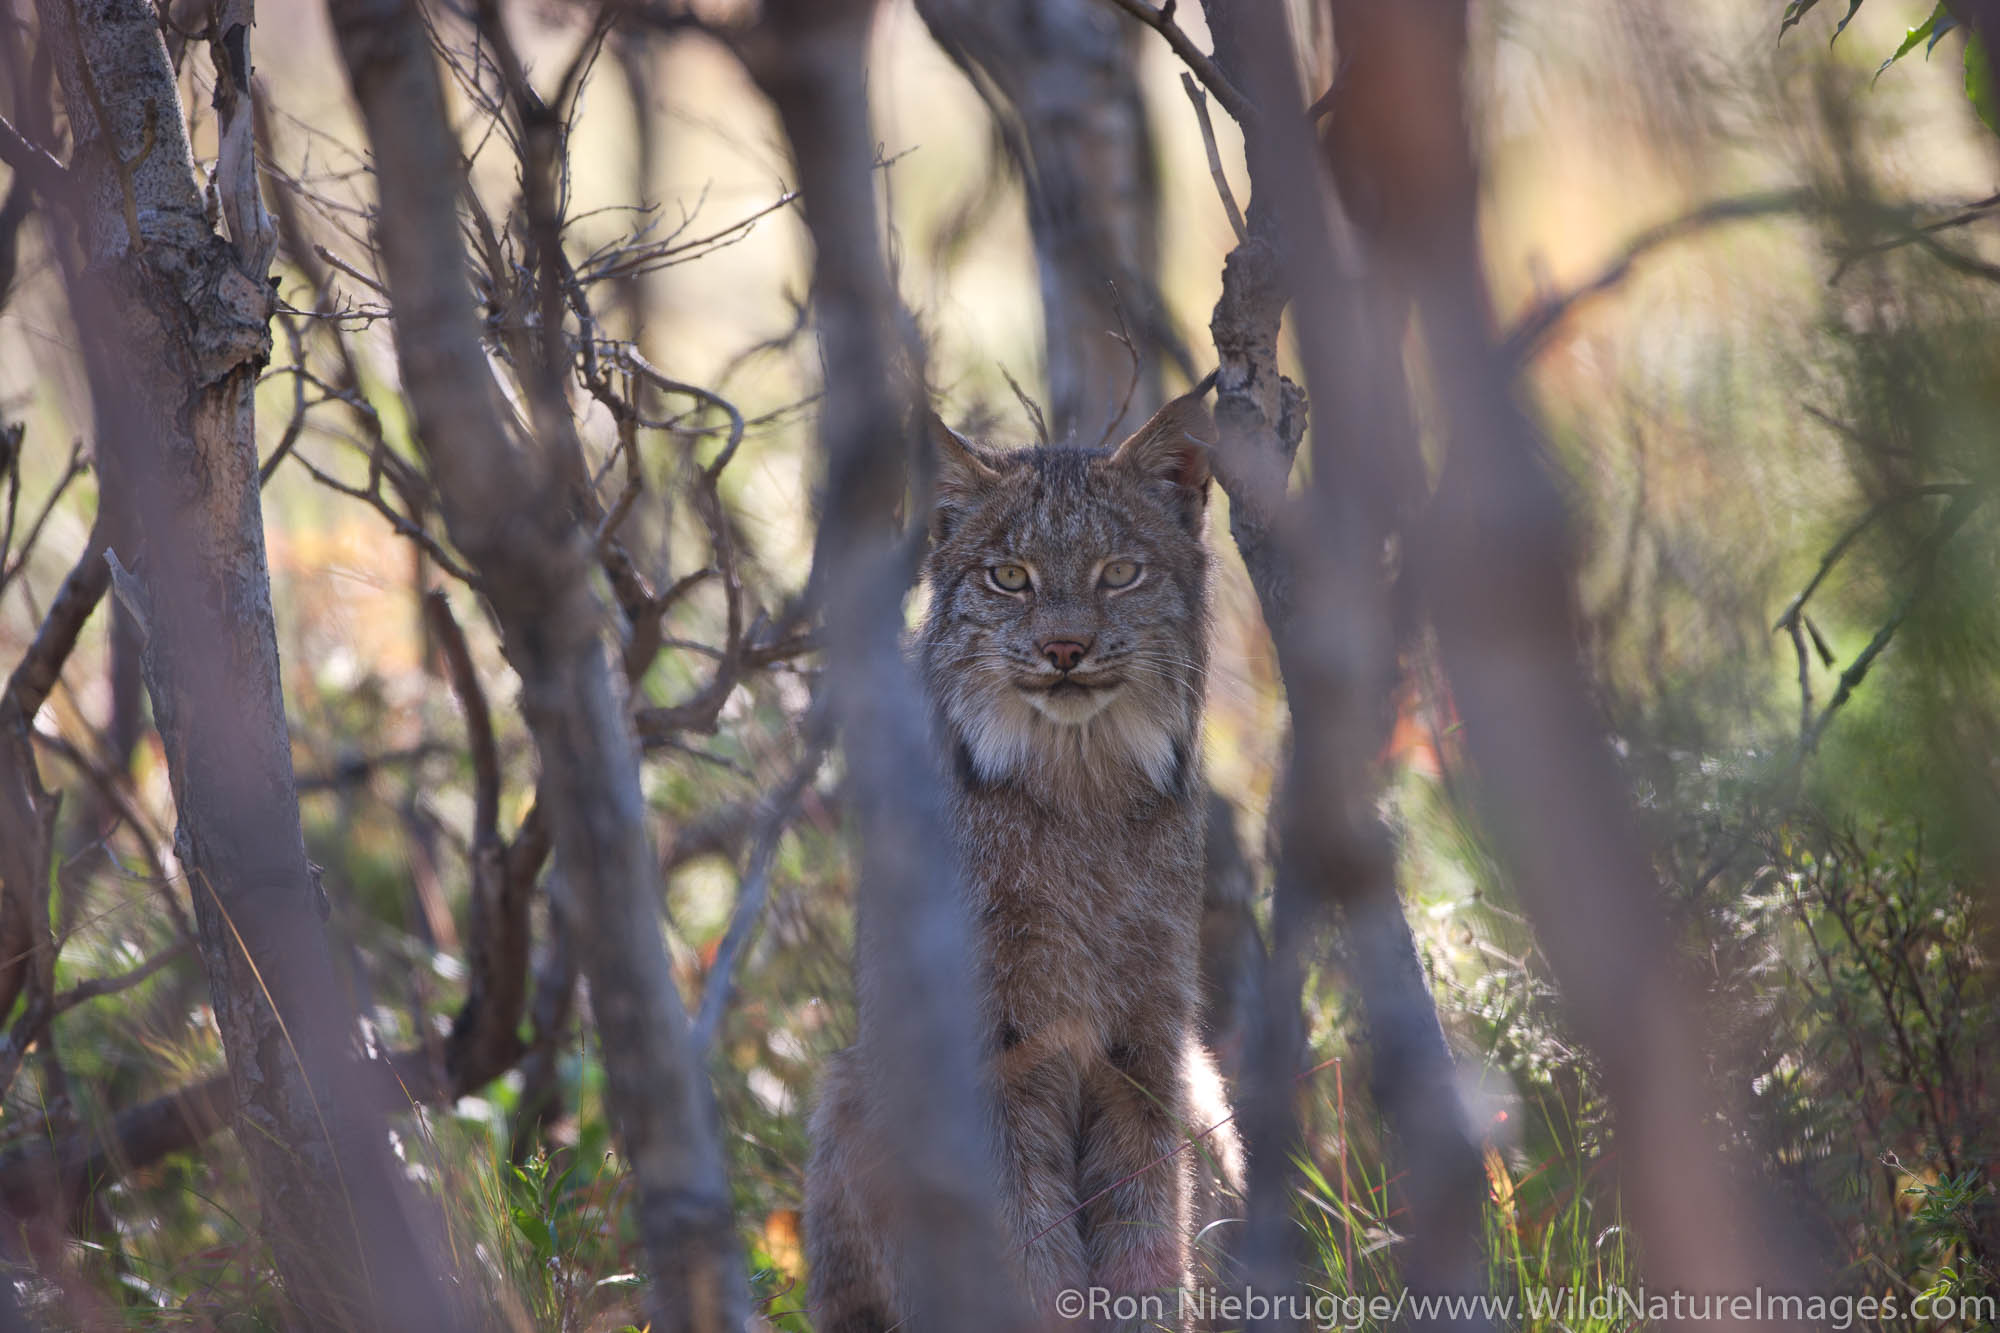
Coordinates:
(506, 504)
(173, 318)
(1061, 78)
(931, 1109)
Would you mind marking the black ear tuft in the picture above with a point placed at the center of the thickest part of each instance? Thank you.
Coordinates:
(1173, 446)
(963, 473)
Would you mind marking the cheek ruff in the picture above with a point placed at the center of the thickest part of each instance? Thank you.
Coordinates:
(1093, 741)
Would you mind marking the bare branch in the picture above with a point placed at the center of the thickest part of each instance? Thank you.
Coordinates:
(36, 165)
(406, 527)
(478, 720)
(917, 1026)
(774, 812)
(1123, 335)
(71, 471)
(37, 671)
(1968, 500)
(1495, 571)
(1532, 330)
(631, 357)
(85, 991)
(1208, 145)
(516, 514)
(1161, 20)
(1853, 532)
(1028, 405)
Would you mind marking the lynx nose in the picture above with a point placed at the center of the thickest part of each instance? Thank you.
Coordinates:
(1064, 654)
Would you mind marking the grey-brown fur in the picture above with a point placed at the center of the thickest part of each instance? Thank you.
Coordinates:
(1078, 807)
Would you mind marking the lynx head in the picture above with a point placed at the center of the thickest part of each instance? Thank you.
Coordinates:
(1066, 645)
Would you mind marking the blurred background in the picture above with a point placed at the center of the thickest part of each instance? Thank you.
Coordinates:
(1793, 392)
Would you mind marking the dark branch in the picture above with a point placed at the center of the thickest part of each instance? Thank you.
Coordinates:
(1161, 20)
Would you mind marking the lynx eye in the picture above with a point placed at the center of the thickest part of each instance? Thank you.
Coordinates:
(1120, 574)
(1008, 578)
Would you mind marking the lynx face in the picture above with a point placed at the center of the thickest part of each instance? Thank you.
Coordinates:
(1065, 642)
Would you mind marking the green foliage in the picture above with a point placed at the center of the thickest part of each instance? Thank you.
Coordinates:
(1555, 1245)
(1796, 10)
(1928, 32)
(1979, 84)
(568, 1258)
(1979, 88)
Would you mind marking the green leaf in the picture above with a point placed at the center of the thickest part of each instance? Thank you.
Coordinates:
(1845, 19)
(1794, 11)
(535, 1231)
(1979, 88)
(1928, 32)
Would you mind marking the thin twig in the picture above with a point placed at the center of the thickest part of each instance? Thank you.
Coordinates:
(774, 813)
(329, 257)
(1921, 235)
(631, 357)
(36, 164)
(297, 424)
(373, 496)
(149, 838)
(1123, 335)
(1790, 615)
(626, 263)
(1531, 331)
(1214, 153)
(1954, 518)
(96, 987)
(28, 685)
(478, 719)
(1030, 406)
(1161, 20)
(71, 471)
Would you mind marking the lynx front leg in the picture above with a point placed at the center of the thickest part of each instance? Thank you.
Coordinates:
(1137, 1177)
(1041, 1093)
(847, 1285)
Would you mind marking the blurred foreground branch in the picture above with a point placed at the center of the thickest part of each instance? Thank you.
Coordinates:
(936, 1190)
(509, 504)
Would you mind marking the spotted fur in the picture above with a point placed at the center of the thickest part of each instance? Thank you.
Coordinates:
(1079, 810)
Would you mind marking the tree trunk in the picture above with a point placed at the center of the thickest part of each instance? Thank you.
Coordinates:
(174, 324)
(1061, 77)
(508, 509)
(1319, 568)
(931, 1109)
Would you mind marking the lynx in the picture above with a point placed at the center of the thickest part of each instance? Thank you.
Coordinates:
(1064, 655)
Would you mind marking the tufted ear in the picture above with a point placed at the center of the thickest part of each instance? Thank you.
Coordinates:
(1173, 446)
(962, 473)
